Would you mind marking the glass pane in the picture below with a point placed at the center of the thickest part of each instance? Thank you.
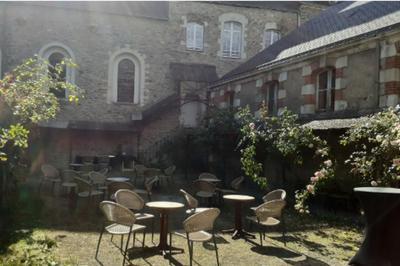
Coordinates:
(54, 59)
(236, 40)
(126, 80)
(237, 26)
(199, 37)
(190, 35)
(322, 101)
(323, 80)
(268, 38)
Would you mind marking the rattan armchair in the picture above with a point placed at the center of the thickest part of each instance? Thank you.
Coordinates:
(269, 214)
(50, 174)
(208, 176)
(235, 185)
(98, 180)
(134, 202)
(121, 221)
(205, 190)
(139, 172)
(192, 203)
(128, 169)
(277, 194)
(68, 181)
(148, 187)
(195, 229)
(86, 189)
(113, 187)
(169, 173)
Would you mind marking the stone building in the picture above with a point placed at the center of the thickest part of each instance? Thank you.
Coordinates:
(334, 69)
(143, 65)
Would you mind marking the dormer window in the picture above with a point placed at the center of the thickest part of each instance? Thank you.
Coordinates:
(271, 36)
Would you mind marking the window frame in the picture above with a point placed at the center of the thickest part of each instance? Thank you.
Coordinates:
(272, 31)
(136, 90)
(231, 32)
(117, 81)
(272, 85)
(55, 47)
(195, 27)
(330, 95)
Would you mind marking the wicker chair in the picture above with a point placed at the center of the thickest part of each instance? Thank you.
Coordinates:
(148, 185)
(195, 229)
(235, 185)
(269, 214)
(98, 180)
(192, 203)
(121, 222)
(169, 173)
(204, 189)
(134, 202)
(86, 189)
(113, 187)
(207, 175)
(50, 174)
(68, 179)
(275, 195)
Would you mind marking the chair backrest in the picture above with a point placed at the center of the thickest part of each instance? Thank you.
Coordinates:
(129, 199)
(69, 175)
(191, 201)
(115, 186)
(82, 184)
(202, 185)
(207, 175)
(86, 167)
(104, 171)
(275, 195)
(97, 178)
(49, 171)
(169, 171)
(271, 208)
(116, 213)
(201, 221)
(235, 184)
(149, 182)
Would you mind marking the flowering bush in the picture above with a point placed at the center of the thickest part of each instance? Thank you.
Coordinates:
(284, 136)
(376, 149)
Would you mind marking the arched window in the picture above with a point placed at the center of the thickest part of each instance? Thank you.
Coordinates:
(194, 36)
(326, 90)
(271, 36)
(126, 77)
(55, 53)
(126, 81)
(232, 39)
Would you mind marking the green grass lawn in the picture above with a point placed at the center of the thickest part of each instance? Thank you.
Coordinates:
(43, 231)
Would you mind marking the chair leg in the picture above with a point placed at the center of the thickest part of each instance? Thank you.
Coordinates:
(122, 241)
(261, 235)
(134, 238)
(152, 230)
(216, 249)
(283, 231)
(170, 244)
(98, 244)
(126, 248)
(190, 251)
(144, 236)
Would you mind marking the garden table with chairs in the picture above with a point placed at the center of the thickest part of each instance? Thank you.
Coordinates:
(238, 201)
(164, 208)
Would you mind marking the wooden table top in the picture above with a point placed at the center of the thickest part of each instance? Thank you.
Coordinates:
(165, 205)
(238, 197)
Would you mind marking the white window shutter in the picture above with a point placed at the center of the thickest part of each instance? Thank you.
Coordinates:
(199, 37)
(190, 36)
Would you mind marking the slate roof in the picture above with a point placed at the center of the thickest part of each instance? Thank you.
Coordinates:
(335, 123)
(338, 24)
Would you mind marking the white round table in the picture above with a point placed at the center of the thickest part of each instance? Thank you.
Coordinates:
(118, 179)
(238, 200)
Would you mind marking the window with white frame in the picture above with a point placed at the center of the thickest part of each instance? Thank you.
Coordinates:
(326, 90)
(194, 36)
(232, 39)
(271, 36)
(55, 53)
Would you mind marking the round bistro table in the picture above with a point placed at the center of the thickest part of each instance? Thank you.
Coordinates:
(211, 180)
(118, 179)
(164, 208)
(381, 245)
(238, 200)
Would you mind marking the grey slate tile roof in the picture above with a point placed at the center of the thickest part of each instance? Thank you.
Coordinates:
(338, 24)
(335, 123)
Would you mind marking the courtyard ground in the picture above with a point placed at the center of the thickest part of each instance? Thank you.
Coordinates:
(43, 230)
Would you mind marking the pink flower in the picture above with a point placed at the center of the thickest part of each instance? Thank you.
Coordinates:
(314, 179)
(396, 161)
(310, 188)
(252, 126)
(374, 183)
(319, 174)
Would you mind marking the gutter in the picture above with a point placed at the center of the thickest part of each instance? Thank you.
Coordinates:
(299, 57)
